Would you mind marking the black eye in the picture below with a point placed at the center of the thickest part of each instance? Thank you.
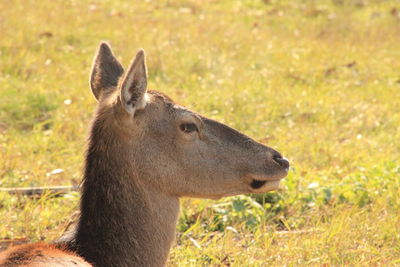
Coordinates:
(188, 127)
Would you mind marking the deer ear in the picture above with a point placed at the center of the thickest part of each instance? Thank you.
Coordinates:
(106, 71)
(134, 84)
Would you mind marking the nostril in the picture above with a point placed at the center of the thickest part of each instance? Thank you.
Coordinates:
(281, 161)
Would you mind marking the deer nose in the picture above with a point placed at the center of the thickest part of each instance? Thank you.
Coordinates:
(283, 162)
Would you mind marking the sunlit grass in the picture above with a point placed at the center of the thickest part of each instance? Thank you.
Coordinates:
(318, 80)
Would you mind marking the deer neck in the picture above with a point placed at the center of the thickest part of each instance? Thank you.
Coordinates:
(122, 223)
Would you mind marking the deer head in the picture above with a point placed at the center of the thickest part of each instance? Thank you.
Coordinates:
(170, 148)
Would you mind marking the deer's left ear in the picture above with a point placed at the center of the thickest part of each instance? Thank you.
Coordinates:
(134, 85)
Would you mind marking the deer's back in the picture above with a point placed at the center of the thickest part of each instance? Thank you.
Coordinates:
(40, 255)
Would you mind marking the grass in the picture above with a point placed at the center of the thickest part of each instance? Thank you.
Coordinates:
(318, 80)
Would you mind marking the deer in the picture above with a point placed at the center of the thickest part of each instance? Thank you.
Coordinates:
(144, 153)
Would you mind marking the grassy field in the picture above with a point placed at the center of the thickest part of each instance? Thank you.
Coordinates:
(318, 80)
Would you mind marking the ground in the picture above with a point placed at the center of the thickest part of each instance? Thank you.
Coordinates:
(317, 80)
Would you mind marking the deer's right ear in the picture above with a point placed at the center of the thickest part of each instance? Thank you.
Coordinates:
(134, 85)
(106, 71)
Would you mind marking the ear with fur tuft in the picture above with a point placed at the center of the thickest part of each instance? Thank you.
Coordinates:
(134, 84)
(106, 71)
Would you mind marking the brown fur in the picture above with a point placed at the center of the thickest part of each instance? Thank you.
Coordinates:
(144, 153)
(40, 255)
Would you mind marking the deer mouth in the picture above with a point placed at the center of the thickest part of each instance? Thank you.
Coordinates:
(257, 184)
(261, 183)
(263, 186)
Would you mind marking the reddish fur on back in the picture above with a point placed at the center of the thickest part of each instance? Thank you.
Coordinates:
(40, 254)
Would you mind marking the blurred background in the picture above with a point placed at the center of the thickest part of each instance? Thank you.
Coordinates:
(317, 80)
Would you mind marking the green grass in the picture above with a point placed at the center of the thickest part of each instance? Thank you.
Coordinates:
(318, 80)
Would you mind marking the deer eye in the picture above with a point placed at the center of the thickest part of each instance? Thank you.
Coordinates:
(188, 127)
